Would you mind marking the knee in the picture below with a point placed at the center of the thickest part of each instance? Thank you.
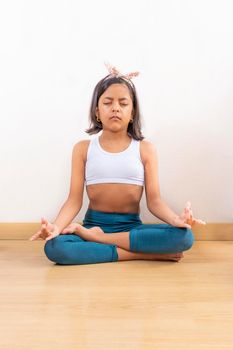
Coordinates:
(52, 250)
(187, 239)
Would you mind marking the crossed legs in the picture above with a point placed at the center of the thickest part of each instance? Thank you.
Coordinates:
(146, 242)
(122, 240)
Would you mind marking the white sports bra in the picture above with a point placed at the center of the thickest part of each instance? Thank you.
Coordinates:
(107, 167)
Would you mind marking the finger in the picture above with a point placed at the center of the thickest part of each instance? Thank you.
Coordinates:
(65, 230)
(32, 238)
(187, 213)
(201, 222)
(190, 217)
(50, 237)
(184, 214)
(43, 225)
(188, 226)
(185, 225)
(35, 236)
(44, 222)
(188, 205)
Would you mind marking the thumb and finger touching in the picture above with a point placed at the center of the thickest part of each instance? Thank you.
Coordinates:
(189, 216)
(46, 229)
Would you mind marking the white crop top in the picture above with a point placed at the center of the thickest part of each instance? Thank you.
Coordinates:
(108, 167)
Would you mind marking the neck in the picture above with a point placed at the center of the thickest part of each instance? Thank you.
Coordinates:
(114, 136)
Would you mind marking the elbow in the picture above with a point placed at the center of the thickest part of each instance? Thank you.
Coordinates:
(152, 205)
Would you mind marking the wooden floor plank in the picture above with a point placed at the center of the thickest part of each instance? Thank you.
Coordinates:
(122, 305)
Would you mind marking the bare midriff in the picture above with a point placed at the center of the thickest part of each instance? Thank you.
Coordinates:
(115, 197)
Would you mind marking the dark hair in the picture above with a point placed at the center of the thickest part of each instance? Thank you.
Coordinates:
(134, 129)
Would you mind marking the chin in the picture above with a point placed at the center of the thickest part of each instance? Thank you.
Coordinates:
(115, 128)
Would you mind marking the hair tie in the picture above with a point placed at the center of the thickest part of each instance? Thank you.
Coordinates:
(113, 71)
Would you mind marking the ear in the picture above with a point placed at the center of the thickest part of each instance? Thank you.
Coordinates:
(97, 111)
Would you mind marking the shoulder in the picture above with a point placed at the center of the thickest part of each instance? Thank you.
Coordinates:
(147, 151)
(147, 144)
(81, 147)
(82, 143)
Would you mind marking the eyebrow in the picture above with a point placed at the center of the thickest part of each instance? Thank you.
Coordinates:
(121, 99)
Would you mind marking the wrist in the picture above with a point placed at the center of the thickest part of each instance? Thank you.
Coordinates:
(58, 227)
(174, 220)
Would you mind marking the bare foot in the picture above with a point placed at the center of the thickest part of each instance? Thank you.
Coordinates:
(167, 257)
(170, 257)
(94, 234)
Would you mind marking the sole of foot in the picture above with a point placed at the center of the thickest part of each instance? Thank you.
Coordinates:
(176, 257)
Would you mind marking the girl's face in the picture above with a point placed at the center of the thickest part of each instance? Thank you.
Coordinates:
(115, 107)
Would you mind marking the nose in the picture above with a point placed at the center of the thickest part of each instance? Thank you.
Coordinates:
(115, 107)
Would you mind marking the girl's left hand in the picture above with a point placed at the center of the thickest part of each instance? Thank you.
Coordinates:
(186, 219)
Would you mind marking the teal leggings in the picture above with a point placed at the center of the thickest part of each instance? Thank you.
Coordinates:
(70, 249)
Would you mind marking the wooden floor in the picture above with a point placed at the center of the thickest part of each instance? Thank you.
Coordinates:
(123, 305)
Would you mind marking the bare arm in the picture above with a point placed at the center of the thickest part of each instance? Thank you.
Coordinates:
(67, 213)
(155, 203)
(162, 211)
(50, 230)
(73, 204)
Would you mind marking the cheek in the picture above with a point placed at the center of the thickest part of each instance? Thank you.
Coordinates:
(103, 109)
(129, 110)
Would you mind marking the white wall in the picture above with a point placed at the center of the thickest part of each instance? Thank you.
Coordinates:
(52, 54)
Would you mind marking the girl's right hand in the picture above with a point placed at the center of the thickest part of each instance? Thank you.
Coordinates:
(72, 228)
(47, 231)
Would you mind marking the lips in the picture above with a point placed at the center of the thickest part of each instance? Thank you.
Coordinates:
(115, 117)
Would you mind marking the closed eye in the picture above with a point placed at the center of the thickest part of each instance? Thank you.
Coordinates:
(122, 104)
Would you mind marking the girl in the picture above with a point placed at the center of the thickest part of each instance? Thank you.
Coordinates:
(115, 167)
